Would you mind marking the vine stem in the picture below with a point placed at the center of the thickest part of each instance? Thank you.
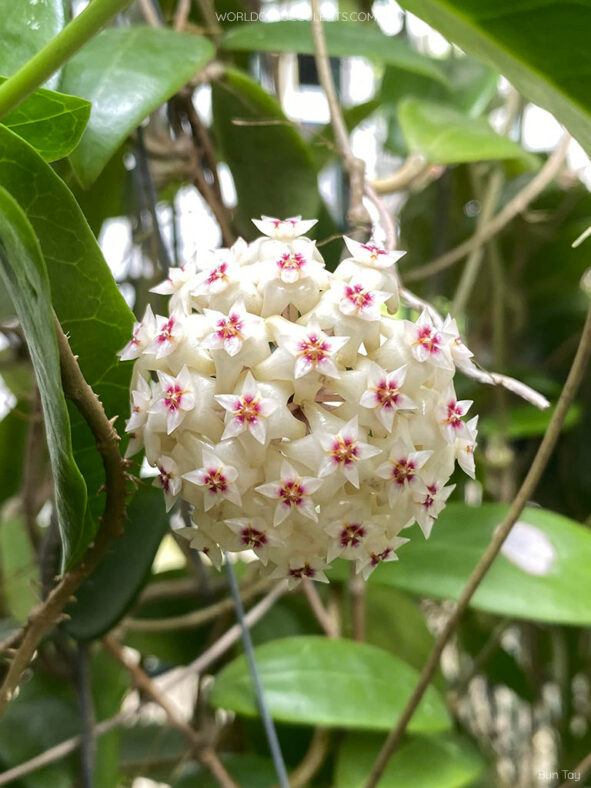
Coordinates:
(500, 534)
(44, 616)
(57, 52)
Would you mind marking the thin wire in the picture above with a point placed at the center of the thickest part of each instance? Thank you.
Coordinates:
(268, 725)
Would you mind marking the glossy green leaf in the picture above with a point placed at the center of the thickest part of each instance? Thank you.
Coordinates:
(127, 73)
(343, 39)
(253, 151)
(97, 320)
(444, 761)
(51, 122)
(553, 545)
(105, 597)
(524, 421)
(445, 136)
(23, 272)
(540, 46)
(20, 575)
(26, 28)
(312, 680)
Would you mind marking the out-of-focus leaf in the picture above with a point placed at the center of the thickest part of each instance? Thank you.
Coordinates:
(540, 47)
(395, 623)
(474, 84)
(26, 28)
(105, 597)
(43, 714)
(343, 39)
(109, 683)
(527, 422)
(248, 770)
(17, 561)
(111, 195)
(97, 321)
(51, 122)
(554, 584)
(253, 152)
(13, 433)
(332, 683)
(24, 274)
(445, 136)
(127, 73)
(149, 749)
(444, 761)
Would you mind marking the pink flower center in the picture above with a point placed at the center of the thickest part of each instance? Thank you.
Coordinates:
(454, 415)
(374, 251)
(292, 492)
(403, 470)
(428, 339)
(247, 409)
(302, 571)
(166, 332)
(253, 537)
(230, 327)
(314, 349)
(344, 451)
(387, 393)
(215, 481)
(351, 535)
(165, 478)
(291, 262)
(377, 557)
(217, 273)
(359, 297)
(173, 397)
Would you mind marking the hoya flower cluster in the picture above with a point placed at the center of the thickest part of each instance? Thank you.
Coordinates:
(292, 410)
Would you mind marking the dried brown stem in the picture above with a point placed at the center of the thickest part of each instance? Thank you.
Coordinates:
(500, 534)
(204, 752)
(358, 217)
(513, 208)
(44, 616)
(312, 760)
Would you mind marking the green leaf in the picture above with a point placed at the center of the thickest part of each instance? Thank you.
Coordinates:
(42, 715)
(527, 422)
(13, 433)
(312, 680)
(474, 84)
(445, 136)
(248, 770)
(127, 73)
(440, 566)
(51, 122)
(253, 151)
(541, 47)
(105, 597)
(97, 321)
(20, 577)
(24, 274)
(444, 761)
(26, 28)
(343, 39)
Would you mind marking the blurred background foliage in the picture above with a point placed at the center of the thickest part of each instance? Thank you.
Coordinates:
(203, 115)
